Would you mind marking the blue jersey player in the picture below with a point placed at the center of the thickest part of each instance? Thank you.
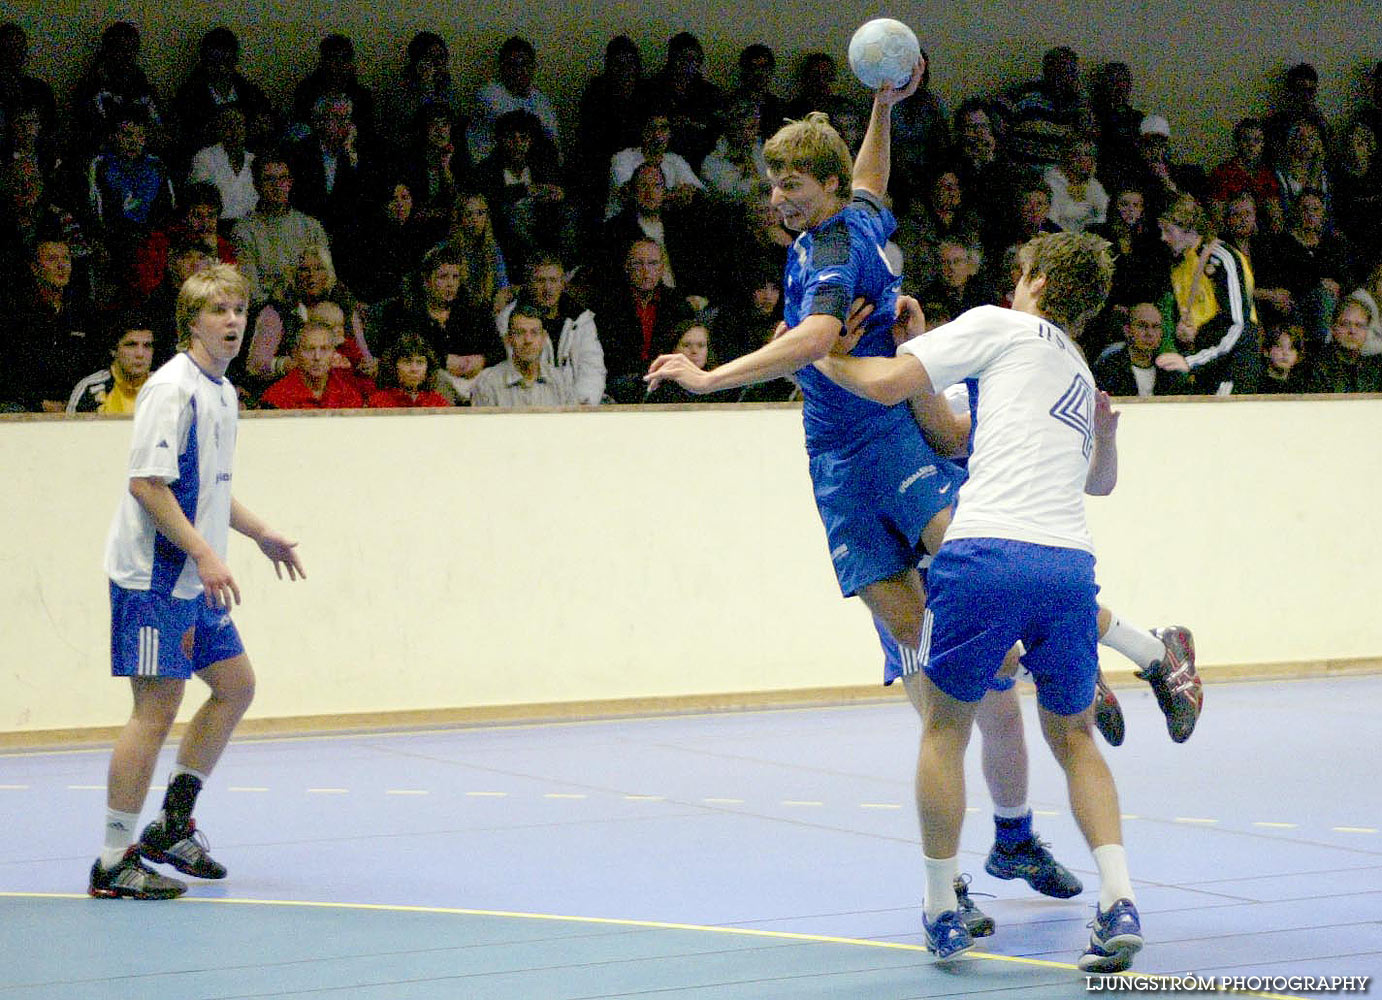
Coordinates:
(882, 492)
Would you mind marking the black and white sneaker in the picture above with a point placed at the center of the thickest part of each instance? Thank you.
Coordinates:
(186, 849)
(130, 878)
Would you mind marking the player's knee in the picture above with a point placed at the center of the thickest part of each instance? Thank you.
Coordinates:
(1067, 735)
(234, 686)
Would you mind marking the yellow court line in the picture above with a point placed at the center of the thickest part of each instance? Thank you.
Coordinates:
(622, 922)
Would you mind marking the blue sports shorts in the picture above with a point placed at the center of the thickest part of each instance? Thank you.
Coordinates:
(154, 635)
(987, 593)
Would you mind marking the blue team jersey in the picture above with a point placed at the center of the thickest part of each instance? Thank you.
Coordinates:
(828, 267)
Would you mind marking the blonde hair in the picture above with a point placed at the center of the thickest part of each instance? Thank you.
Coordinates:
(813, 147)
(1078, 268)
(205, 287)
(1185, 212)
(478, 256)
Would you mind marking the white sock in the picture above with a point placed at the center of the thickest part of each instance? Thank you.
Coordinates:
(940, 885)
(1135, 643)
(1011, 812)
(120, 827)
(1114, 881)
(183, 769)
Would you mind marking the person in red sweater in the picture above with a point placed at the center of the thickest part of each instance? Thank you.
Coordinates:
(313, 384)
(404, 371)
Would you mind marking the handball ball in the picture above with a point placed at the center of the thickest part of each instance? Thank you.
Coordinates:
(883, 51)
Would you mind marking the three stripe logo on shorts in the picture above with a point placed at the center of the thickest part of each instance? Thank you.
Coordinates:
(148, 652)
(924, 647)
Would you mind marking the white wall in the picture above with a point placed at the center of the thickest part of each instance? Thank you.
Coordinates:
(471, 559)
(1203, 65)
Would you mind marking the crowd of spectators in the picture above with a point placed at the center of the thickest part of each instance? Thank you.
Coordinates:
(423, 247)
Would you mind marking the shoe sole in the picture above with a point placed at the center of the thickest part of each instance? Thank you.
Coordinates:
(954, 954)
(981, 930)
(1109, 721)
(158, 857)
(1009, 876)
(1121, 951)
(132, 894)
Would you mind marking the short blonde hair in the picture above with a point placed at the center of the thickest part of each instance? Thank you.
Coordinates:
(202, 289)
(1078, 268)
(1186, 213)
(813, 147)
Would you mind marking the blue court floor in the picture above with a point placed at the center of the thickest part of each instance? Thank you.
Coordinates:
(739, 855)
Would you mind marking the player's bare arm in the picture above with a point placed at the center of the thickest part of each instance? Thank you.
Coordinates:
(808, 341)
(1103, 462)
(884, 380)
(280, 550)
(158, 501)
(872, 165)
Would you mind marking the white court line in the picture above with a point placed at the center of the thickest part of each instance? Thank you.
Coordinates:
(880, 805)
(645, 798)
(488, 795)
(1354, 829)
(564, 795)
(1195, 820)
(328, 791)
(407, 791)
(1278, 826)
(723, 802)
(801, 802)
(14, 788)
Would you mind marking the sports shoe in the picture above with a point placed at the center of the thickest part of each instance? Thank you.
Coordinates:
(1032, 862)
(948, 936)
(1175, 683)
(1108, 714)
(185, 849)
(1116, 936)
(130, 878)
(976, 921)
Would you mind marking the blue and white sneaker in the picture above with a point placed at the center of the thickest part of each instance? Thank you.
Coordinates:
(947, 936)
(1116, 936)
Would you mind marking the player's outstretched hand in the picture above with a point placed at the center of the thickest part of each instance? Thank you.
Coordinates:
(218, 586)
(283, 554)
(911, 321)
(888, 94)
(680, 369)
(1105, 416)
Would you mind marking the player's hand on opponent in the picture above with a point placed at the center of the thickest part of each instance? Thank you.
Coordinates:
(680, 369)
(859, 312)
(888, 94)
(1105, 416)
(283, 554)
(911, 321)
(219, 586)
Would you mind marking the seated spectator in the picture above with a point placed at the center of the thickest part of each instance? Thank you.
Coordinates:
(483, 268)
(679, 235)
(573, 341)
(1217, 341)
(30, 145)
(690, 101)
(335, 74)
(407, 368)
(314, 282)
(636, 310)
(941, 213)
(1247, 170)
(1141, 262)
(1284, 368)
(26, 214)
(426, 81)
(1301, 167)
(1129, 368)
(443, 310)
(1306, 268)
(382, 247)
(816, 79)
(434, 171)
(984, 171)
(49, 332)
(611, 119)
(524, 190)
(228, 165)
(201, 209)
(955, 285)
(1110, 98)
(17, 89)
(690, 337)
(735, 171)
(749, 319)
(1160, 180)
(757, 64)
(1358, 190)
(1078, 200)
(113, 85)
(113, 389)
(270, 240)
(1340, 365)
(512, 91)
(1029, 216)
(525, 379)
(328, 172)
(680, 180)
(214, 83)
(129, 189)
(312, 383)
(1043, 115)
(160, 308)
(1297, 102)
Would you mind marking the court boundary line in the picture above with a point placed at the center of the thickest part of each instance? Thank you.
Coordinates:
(641, 924)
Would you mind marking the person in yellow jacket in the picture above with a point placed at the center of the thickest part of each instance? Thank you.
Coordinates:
(114, 389)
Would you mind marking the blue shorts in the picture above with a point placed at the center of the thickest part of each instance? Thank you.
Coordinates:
(987, 593)
(875, 503)
(153, 635)
(893, 666)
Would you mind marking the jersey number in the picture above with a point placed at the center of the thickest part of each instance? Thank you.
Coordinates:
(1075, 409)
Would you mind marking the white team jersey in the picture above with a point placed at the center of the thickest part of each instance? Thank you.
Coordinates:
(1034, 430)
(184, 434)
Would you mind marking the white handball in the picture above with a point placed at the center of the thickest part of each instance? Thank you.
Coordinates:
(883, 51)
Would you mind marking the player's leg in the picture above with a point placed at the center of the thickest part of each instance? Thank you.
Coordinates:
(1166, 660)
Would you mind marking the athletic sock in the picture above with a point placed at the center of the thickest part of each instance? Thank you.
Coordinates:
(1135, 643)
(940, 885)
(183, 787)
(1012, 826)
(1114, 881)
(120, 827)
